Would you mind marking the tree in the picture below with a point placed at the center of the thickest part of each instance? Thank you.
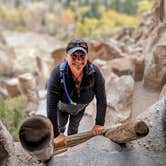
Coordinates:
(124, 6)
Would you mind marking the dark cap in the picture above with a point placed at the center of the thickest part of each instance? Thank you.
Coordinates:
(75, 45)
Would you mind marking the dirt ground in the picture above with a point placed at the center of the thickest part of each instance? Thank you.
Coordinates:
(143, 98)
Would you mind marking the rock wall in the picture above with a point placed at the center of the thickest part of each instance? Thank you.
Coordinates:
(7, 149)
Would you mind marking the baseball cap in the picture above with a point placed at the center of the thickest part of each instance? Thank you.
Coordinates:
(75, 45)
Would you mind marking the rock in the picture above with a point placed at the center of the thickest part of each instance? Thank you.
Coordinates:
(159, 11)
(149, 151)
(2, 40)
(3, 93)
(6, 60)
(154, 74)
(104, 51)
(88, 153)
(163, 92)
(43, 73)
(122, 66)
(138, 32)
(125, 31)
(119, 92)
(29, 40)
(29, 89)
(28, 86)
(7, 150)
(23, 158)
(58, 56)
(28, 45)
(101, 151)
(139, 65)
(12, 86)
(104, 67)
(99, 62)
(156, 140)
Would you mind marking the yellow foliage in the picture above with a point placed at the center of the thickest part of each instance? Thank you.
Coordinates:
(88, 27)
(67, 17)
(12, 114)
(3, 10)
(82, 10)
(145, 5)
(37, 14)
(12, 16)
(109, 21)
(117, 19)
(101, 9)
(49, 18)
(37, 6)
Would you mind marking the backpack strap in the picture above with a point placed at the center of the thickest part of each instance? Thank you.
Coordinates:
(62, 81)
(61, 70)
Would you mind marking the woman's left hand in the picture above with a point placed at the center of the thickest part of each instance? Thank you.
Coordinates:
(97, 130)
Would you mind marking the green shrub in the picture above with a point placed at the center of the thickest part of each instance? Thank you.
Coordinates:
(12, 114)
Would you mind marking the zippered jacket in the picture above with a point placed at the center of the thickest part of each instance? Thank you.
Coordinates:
(93, 84)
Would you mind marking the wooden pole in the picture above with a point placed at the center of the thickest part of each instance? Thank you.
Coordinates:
(36, 136)
(122, 133)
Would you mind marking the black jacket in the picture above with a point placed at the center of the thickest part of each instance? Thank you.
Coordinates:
(92, 84)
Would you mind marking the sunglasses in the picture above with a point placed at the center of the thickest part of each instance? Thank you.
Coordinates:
(78, 57)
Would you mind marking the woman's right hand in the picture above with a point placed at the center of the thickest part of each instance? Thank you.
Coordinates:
(60, 140)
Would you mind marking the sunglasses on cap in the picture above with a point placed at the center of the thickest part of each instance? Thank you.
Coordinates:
(77, 43)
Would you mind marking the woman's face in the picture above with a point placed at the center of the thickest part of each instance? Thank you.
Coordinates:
(77, 61)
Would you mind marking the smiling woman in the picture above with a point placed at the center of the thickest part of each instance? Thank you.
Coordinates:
(71, 87)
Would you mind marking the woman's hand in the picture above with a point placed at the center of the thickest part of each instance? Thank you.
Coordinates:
(97, 130)
(60, 140)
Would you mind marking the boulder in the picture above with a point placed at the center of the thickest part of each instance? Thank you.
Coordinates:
(12, 86)
(139, 66)
(58, 56)
(125, 31)
(104, 66)
(149, 151)
(155, 142)
(119, 92)
(154, 75)
(122, 66)
(28, 87)
(104, 51)
(43, 73)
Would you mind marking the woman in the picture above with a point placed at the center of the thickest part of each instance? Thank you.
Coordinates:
(71, 87)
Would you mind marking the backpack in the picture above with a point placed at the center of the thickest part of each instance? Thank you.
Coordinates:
(62, 68)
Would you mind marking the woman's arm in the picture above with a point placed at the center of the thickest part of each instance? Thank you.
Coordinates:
(100, 93)
(53, 96)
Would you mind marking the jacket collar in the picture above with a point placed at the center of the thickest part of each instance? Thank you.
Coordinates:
(89, 69)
